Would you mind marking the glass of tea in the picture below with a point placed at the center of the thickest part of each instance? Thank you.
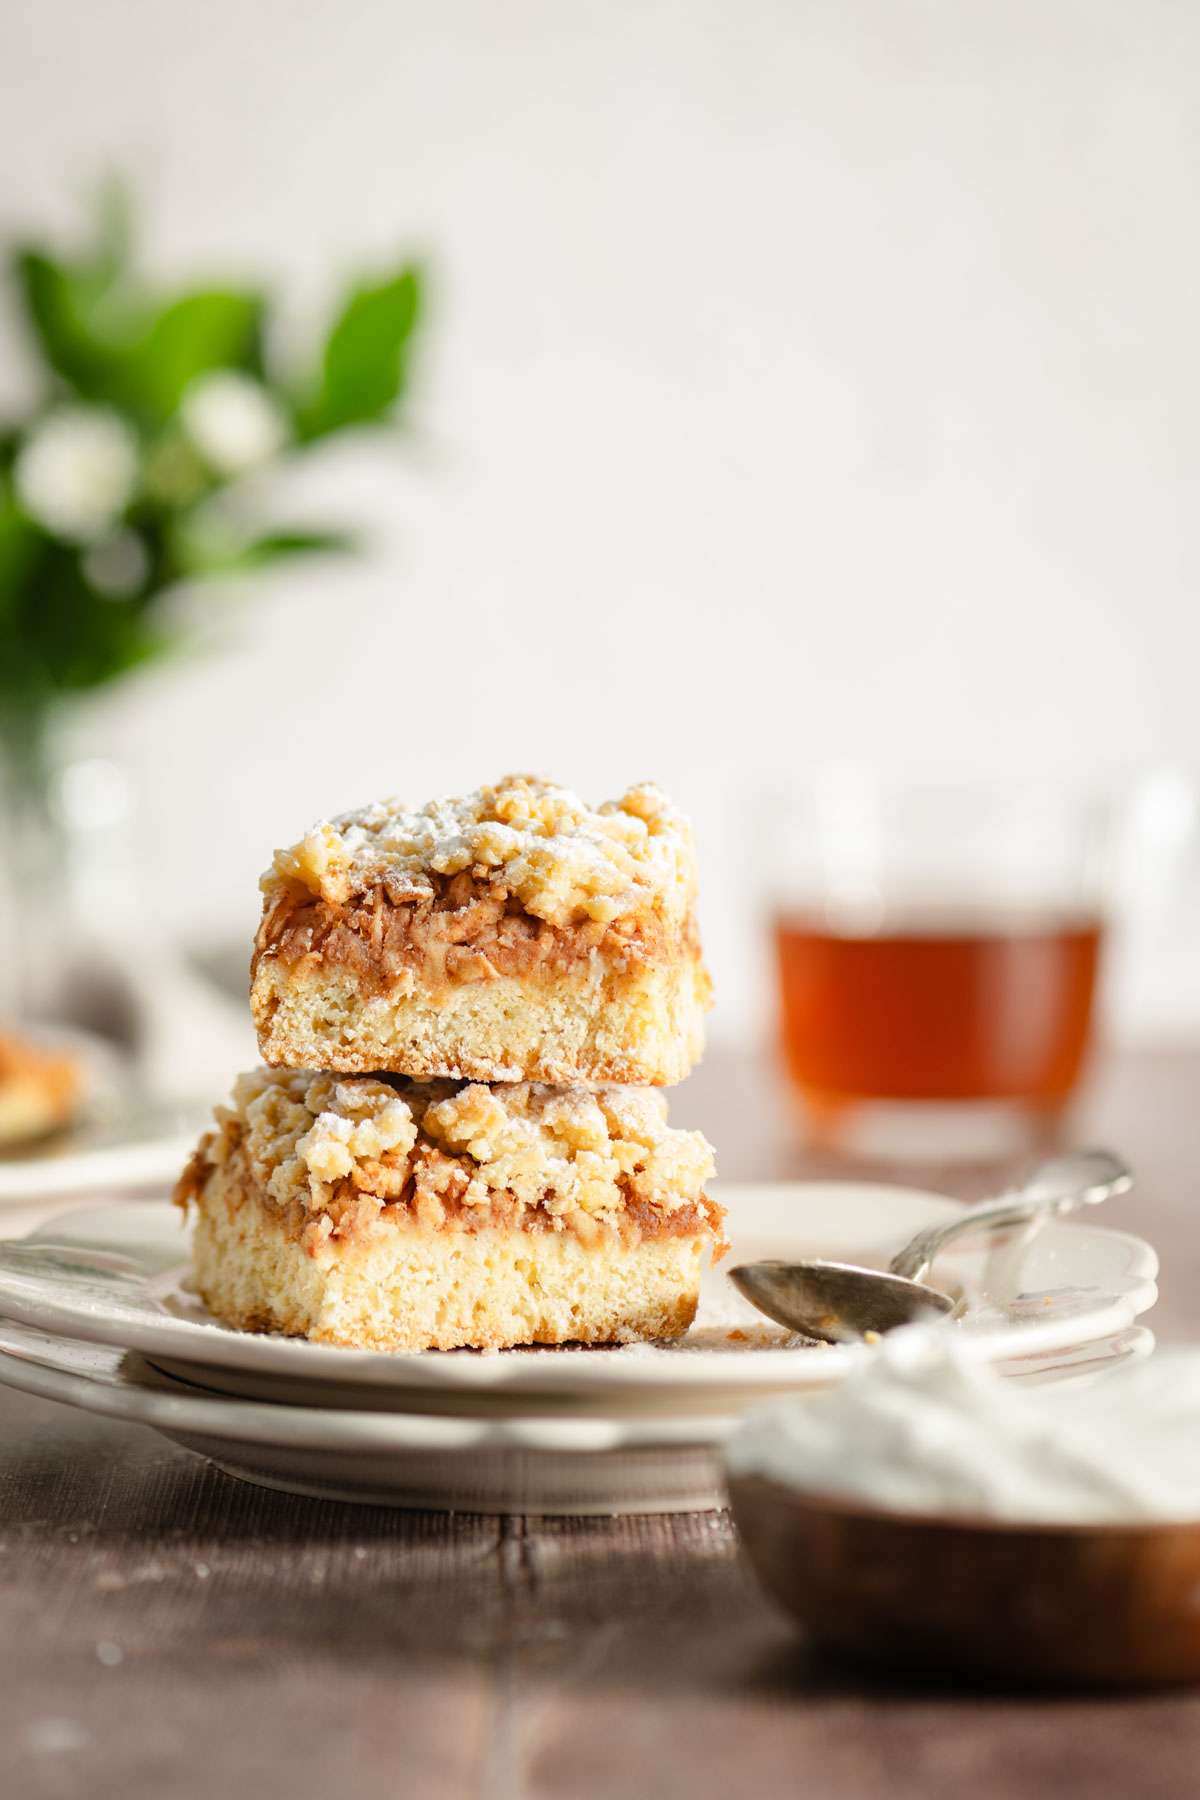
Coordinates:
(937, 949)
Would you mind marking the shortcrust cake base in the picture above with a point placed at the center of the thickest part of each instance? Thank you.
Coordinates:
(400, 1286)
(592, 1025)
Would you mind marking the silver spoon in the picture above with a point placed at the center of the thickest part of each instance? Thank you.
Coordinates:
(841, 1302)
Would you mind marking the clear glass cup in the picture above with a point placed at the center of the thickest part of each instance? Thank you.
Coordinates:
(938, 951)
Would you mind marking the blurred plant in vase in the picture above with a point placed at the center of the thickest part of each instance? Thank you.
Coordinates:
(125, 487)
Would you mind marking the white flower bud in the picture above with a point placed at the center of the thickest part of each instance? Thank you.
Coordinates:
(76, 471)
(117, 565)
(232, 421)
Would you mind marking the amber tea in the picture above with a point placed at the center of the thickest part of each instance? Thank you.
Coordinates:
(938, 1007)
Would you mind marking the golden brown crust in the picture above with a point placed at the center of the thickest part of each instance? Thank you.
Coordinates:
(193, 1176)
(674, 1319)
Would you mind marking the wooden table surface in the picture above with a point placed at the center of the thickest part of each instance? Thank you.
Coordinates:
(168, 1632)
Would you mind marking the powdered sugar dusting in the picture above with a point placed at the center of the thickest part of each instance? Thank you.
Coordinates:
(564, 860)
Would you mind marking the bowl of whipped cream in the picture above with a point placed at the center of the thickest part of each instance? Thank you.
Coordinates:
(930, 1516)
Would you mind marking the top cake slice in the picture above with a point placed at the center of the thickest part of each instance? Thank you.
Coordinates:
(512, 934)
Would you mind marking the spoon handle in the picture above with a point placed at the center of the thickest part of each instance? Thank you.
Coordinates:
(1015, 1208)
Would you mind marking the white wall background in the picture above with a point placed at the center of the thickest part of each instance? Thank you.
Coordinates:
(808, 378)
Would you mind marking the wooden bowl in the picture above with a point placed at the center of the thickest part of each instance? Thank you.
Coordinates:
(1065, 1605)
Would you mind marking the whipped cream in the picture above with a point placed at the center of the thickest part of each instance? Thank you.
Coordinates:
(923, 1426)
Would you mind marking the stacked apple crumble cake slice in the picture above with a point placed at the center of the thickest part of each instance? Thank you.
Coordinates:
(438, 1156)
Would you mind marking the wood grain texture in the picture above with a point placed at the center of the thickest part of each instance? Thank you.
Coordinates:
(165, 1631)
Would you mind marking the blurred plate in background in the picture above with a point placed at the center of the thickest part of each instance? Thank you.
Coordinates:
(115, 1138)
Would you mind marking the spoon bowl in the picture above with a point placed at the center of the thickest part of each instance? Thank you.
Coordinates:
(833, 1302)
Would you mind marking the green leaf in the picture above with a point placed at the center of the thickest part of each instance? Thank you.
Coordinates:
(60, 304)
(10, 442)
(275, 546)
(20, 544)
(364, 368)
(193, 335)
(82, 313)
(109, 348)
(211, 554)
(59, 636)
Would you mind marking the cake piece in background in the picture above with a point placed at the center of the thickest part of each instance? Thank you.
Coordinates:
(390, 1214)
(514, 934)
(41, 1088)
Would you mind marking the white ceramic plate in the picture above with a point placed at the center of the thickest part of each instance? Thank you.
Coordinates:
(130, 1152)
(116, 1275)
(559, 1465)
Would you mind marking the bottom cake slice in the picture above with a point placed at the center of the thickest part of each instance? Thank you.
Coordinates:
(399, 1215)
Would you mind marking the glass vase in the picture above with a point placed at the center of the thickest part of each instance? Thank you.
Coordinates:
(33, 868)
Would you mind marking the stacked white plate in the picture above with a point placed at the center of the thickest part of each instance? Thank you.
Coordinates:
(96, 1311)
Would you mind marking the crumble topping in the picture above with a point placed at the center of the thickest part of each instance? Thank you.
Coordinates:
(564, 861)
(343, 1147)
